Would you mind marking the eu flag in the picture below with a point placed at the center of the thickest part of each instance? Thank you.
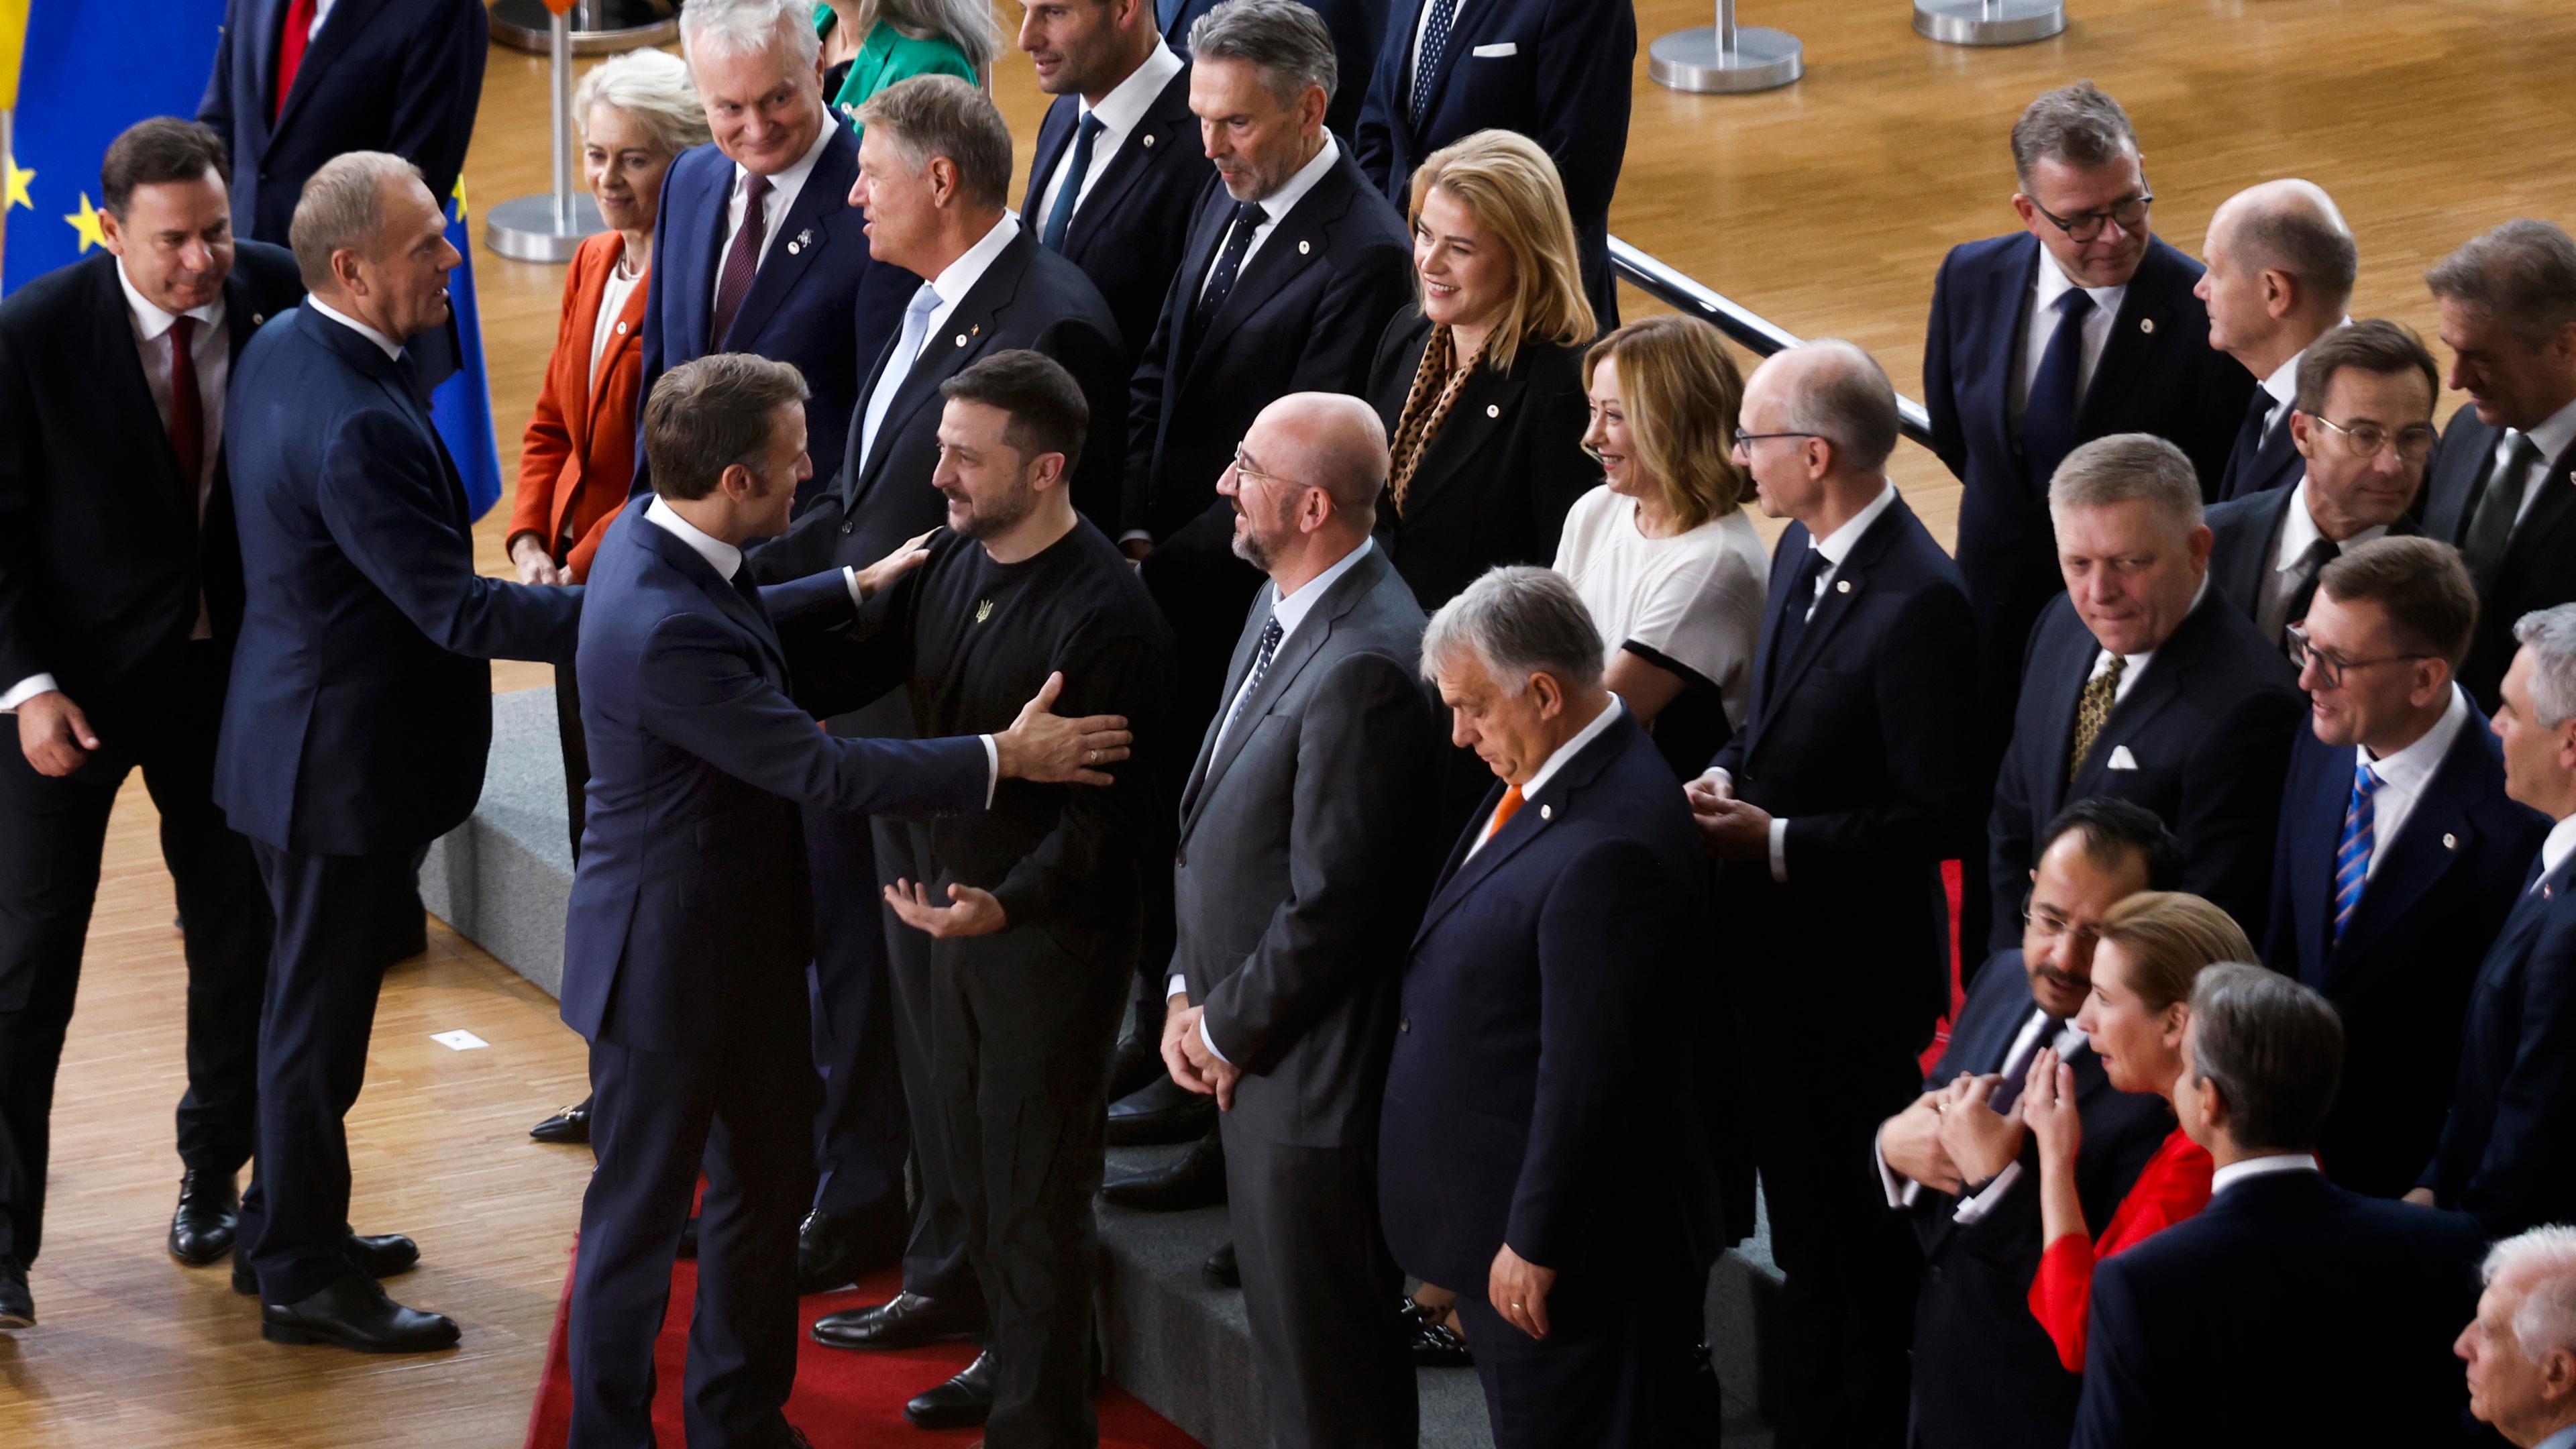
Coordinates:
(462, 405)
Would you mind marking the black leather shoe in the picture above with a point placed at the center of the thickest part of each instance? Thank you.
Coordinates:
(1160, 1113)
(837, 1248)
(961, 1403)
(355, 1314)
(571, 1125)
(17, 1305)
(1220, 1270)
(907, 1320)
(1196, 1181)
(1434, 1343)
(201, 1231)
(377, 1257)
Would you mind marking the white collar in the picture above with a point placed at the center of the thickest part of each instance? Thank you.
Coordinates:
(1837, 545)
(2564, 1438)
(1124, 107)
(2557, 845)
(1278, 204)
(2236, 1172)
(1291, 609)
(2283, 384)
(721, 556)
(789, 182)
(2408, 769)
(2554, 436)
(2054, 283)
(2299, 531)
(960, 276)
(1573, 746)
(391, 348)
(150, 321)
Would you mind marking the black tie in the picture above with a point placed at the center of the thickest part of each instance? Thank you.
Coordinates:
(2048, 415)
(2312, 564)
(1795, 607)
(2490, 529)
(2249, 441)
(1060, 216)
(1248, 217)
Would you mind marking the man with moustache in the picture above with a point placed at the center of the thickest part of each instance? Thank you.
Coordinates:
(2281, 268)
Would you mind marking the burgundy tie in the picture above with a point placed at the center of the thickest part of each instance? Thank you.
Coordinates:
(187, 408)
(742, 261)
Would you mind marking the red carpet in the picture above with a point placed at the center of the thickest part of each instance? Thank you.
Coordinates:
(842, 1400)
(1941, 1035)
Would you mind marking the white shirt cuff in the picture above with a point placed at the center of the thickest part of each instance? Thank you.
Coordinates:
(1984, 1202)
(992, 767)
(1133, 534)
(850, 576)
(27, 689)
(1779, 849)
(1901, 1191)
(1179, 985)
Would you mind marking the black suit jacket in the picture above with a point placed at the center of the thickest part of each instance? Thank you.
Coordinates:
(103, 558)
(1495, 483)
(1028, 298)
(1357, 26)
(1556, 71)
(1986, 1375)
(2504, 1158)
(2157, 375)
(1128, 233)
(2245, 535)
(2209, 727)
(2272, 463)
(2401, 973)
(2290, 1311)
(2539, 567)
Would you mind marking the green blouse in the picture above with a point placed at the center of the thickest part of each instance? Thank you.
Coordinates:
(888, 55)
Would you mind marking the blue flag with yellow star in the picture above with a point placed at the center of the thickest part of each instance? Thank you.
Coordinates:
(462, 405)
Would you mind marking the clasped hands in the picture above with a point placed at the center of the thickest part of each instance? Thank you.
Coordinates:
(1950, 1140)
(1187, 1057)
(1730, 828)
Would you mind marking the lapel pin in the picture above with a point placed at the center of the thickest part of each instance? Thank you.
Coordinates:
(2450, 842)
(983, 611)
(1547, 812)
(621, 329)
(794, 247)
(1145, 140)
(1304, 247)
(1842, 586)
(961, 339)
(1493, 410)
(2147, 325)
(257, 320)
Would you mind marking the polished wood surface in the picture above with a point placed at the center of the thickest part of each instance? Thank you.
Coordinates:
(1824, 206)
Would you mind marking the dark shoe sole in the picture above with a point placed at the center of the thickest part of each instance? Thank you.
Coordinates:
(300, 1338)
(948, 1419)
(17, 1320)
(900, 1344)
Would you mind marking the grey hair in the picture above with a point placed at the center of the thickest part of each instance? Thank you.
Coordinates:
(2550, 635)
(2522, 274)
(342, 208)
(654, 87)
(1519, 620)
(1844, 397)
(1286, 40)
(2127, 468)
(747, 27)
(2294, 227)
(2079, 124)
(966, 24)
(2273, 1046)
(940, 115)
(2545, 1323)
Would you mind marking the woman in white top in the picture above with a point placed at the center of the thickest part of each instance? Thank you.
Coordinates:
(1662, 553)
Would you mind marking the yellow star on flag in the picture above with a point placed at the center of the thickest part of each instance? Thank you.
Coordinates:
(460, 196)
(13, 185)
(85, 221)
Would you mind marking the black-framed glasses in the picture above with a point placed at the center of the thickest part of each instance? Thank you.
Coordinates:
(2330, 670)
(1746, 440)
(2129, 211)
(2414, 443)
(2052, 926)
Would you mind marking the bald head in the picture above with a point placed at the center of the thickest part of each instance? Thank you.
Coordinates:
(1334, 442)
(1305, 489)
(2281, 270)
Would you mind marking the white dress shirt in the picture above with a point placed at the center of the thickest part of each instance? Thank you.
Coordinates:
(1120, 113)
(2051, 283)
(2299, 533)
(2264, 1166)
(2404, 774)
(321, 12)
(390, 348)
(783, 189)
(2557, 845)
(612, 302)
(2552, 438)
(1276, 206)
(951, 286)
(2563, 1439)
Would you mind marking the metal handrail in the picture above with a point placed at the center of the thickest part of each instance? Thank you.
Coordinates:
(1752, 331)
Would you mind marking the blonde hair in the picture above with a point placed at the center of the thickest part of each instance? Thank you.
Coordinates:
(2166, 937)
(1511, 188)
(1682, 391)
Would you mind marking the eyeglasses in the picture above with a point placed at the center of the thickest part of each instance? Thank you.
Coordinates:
(2330, 670)
(2414, 444)
(1243, 469)
(2051, 926)
(1745, 440)
(2130, 212)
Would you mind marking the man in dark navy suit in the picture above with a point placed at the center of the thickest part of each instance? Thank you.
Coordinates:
(120, 594)
(1357, 28)
(2503, 1157)
(1986, 1375)
(2289, 1311)
(359, 710)
(2082, 325)
(2361, 423)
(1556, 71)
(2144, 685)
(689, 928)
(2503, 482)
(1572, 1207)
(1854, 777)
(2281, 268)
(297, 82)
(1117, 169)
(2399, 852)
(759, 246)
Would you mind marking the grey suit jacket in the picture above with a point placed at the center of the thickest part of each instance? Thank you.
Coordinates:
(1301, 871)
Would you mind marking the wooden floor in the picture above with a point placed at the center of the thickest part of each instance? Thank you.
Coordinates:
(1824, 206)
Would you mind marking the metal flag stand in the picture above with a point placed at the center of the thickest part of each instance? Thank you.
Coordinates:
(600, 27)
(1725, 58)
(1988, 22)
(548, 228)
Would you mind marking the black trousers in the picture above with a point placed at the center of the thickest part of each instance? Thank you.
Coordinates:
(860, 1133)
(53, 833)
(340, 921)
(735, 1111)
(576, 750)
(1319, 1287)
(936, 1263)
(1022, 1034)
(1615, 1370)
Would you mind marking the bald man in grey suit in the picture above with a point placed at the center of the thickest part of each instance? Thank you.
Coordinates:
(1300, 876)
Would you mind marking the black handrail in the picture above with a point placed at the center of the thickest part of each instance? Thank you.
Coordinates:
(1755, 333)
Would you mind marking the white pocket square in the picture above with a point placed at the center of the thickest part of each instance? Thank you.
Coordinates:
(1496, 52)
(2121, 759)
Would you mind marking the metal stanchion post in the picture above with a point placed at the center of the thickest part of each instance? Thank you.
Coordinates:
(548, 228)
(1988, 22)
(600, 27)
(1725, 58)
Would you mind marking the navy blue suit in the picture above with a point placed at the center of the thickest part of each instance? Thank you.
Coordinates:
(355, 728)
(1358, 27)
(819, 301)
(2504, 1158)
(2245, 536)
(2289, 1311)
(1556, 71)
(1127, 235)
(2539, 567)
(382, 75)
(684, 965)
(2401, 973)
(2273, 462)
(1567, 939)
(1986, 1375)
(2208, 726)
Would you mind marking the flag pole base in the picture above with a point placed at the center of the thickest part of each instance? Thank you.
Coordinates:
(525, 228)
(620, 25)
(1700, 61)
(1986, 22)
